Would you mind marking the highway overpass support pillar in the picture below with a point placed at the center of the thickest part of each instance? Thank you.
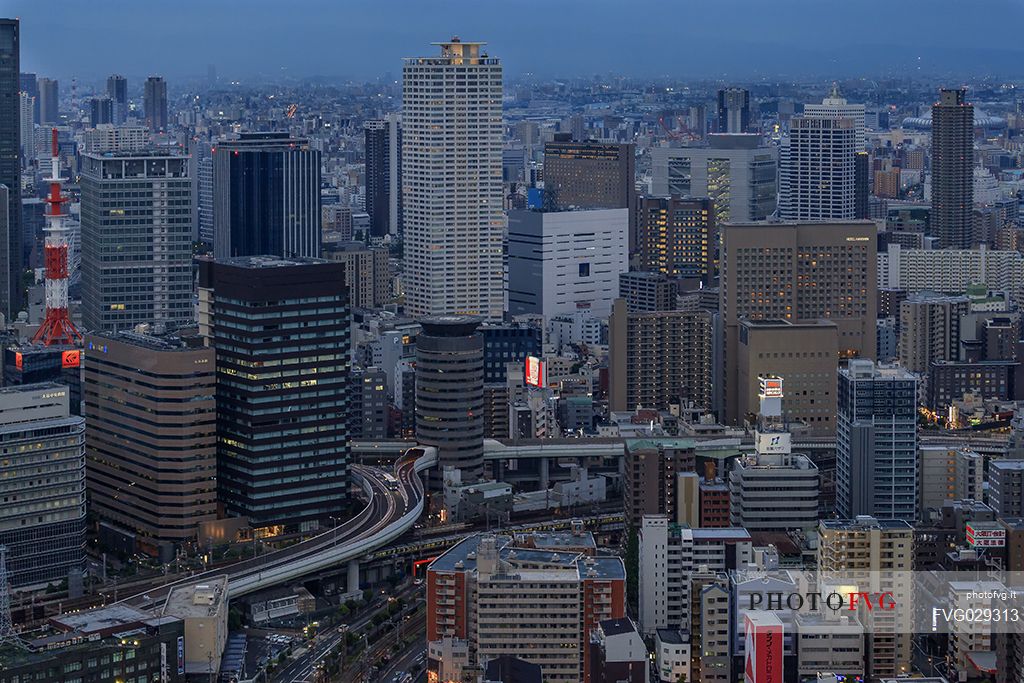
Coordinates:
(353, 576)
(545, 476)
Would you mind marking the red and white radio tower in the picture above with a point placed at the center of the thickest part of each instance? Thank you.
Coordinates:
(57, 328)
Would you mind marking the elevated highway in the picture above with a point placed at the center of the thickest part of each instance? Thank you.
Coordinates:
(388, 514)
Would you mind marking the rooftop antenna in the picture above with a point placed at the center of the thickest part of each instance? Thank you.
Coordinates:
(57, 327)
(7, 633)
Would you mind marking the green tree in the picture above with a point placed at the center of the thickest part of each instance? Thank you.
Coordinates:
(632, 563)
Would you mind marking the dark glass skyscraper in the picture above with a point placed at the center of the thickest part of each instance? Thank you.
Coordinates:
(154, 102)
(280, 328)
(953, 170)
(384, 175)
(49, 100)
(266, 189)
(101, 110)
(861, 190)
(733, 110)
(10, 168)
(117, 91)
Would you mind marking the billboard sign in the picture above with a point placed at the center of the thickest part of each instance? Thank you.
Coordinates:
(535, 376)
(763, 645)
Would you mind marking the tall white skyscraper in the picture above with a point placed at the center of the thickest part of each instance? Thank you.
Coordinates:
(817, 170)
(451, 182)
(835, 106)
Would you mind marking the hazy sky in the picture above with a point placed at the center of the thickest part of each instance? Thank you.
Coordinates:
(363, 40)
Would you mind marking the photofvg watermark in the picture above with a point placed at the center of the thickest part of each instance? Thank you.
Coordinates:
(888, 602)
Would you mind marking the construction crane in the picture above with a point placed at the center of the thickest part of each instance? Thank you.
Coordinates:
(684, 130)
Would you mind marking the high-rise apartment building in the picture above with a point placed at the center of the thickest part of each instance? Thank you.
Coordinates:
(796, 272)
(737, 172)
(677, 236)
(136, 240)
(646, 292)
(451, 182)
(537, 597)
(876, 441)
(151, 439)
(952, 219)
(384, 175)
(117, 91)
(266, 197)
(154, 103)
(109, 138)
(659, 358)
(651, 485)
(280, 328)
(564, 262)
(816, 170)
(1006, 487)
(874, 555)
(930, 329)
(367, 273)
(29, 84)
(42, 481)
(952, 270)
(10, 169)
(669, 555)
(450, 394)
(733, 110)
(589, 174)
(49, 101)
(27, 128)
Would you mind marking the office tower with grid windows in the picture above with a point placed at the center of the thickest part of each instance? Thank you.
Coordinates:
(817, 169)
(796, 272)
(451, 182)
(136, 240)
(737, 172)
(280, 330)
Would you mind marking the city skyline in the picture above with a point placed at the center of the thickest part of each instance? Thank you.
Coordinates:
(731, 39)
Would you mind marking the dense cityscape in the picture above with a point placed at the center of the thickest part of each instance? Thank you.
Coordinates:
(470, 375)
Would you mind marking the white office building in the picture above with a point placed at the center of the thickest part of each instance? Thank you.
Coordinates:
(565, 262)
(451, 182)
(835, 106)
(737, 172)
(816, 170)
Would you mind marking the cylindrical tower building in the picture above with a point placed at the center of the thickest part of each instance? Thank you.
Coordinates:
(450, 394)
